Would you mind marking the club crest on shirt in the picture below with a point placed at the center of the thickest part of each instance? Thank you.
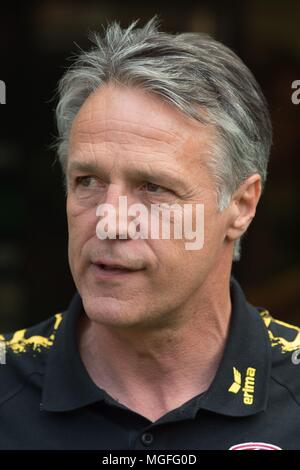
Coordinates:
(254, 446)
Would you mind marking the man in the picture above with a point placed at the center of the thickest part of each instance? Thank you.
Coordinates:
(159, 348)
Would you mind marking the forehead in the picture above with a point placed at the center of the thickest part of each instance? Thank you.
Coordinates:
(129, 121)
(121, 108)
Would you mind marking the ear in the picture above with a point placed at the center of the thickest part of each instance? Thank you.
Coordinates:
(242, 207)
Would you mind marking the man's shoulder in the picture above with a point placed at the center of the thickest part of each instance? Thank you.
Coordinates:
(284, 336)
(23, 353)
(285, 344)
(33, 339)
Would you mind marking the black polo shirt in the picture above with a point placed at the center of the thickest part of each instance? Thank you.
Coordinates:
(48, 401)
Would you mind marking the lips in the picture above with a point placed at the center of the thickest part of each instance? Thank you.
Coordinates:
(108, 266)
(113, 267)
(112, 272)
(109, 269)
(129, 263)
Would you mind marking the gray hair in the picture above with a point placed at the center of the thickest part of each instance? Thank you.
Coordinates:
(198, 75)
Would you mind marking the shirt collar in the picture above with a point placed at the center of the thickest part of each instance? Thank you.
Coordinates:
(242, 377)
(241, 384)
(67, 384)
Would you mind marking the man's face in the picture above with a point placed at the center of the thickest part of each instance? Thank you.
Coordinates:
(125, 142)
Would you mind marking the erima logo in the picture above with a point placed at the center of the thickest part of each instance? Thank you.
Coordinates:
(249, 385)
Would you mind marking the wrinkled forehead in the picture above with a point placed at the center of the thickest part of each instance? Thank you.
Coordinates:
(128, 129)
(114, 109)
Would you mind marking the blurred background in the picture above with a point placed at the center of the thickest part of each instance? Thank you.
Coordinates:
(36, 39)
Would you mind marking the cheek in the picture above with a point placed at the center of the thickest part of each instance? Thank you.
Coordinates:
(180, 272)
(212, 227)
(81, 228)
(179, 266)
(80, 218)
(173, 259)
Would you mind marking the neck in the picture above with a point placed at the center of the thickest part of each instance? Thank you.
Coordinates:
(153, 371)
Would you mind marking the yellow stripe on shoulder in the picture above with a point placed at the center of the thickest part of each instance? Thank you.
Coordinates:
(284, 344)
(19, 343)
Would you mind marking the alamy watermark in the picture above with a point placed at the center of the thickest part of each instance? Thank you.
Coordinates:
(296, 357)
(162, 221)
(2, 92)
(296, 94)
(2, 352)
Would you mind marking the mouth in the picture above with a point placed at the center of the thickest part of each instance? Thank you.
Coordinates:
(107, 271)
(113, 268)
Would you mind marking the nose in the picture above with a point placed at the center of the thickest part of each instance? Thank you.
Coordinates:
(114, 214)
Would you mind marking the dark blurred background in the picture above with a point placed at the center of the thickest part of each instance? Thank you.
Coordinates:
(36, 38)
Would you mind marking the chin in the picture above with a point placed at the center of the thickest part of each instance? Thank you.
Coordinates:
(112, 312)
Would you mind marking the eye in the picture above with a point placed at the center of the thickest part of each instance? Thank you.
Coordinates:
(84, 181)
(154, 188)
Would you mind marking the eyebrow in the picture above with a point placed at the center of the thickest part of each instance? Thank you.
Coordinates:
(159, 175)
(85, 167)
